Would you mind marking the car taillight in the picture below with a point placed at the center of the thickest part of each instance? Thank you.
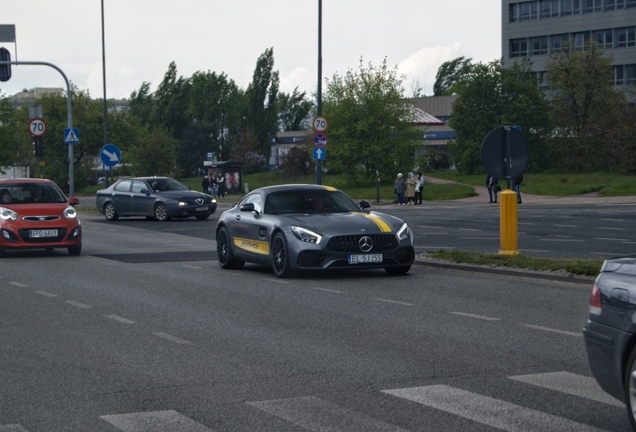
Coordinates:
(595, 301)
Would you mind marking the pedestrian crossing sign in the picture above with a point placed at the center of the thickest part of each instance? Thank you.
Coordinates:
(71, 136)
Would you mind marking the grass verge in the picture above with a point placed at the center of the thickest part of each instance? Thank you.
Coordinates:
(575, 266)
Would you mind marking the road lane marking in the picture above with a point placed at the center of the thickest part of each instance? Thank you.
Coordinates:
(275, 280)
(548, 329)
(526, 223)
(192, 267)
(46, 294)
(612, 229)
(18, 284)
(486, 410)
(608, 239)
(573, 384)
(120, 319)
(562, 240)
(328, 290)
(78, 304)
(12, 428)
(395, 302)
(560, 236)
(476, 316)
(566, 226)
(155, 421)
(468, 229)
(317, 415)
(171, 338)
(613, 220)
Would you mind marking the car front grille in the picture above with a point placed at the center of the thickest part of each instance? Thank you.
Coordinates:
(40, 218)
(349, 243)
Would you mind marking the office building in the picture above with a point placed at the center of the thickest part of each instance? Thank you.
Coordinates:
(536, 29)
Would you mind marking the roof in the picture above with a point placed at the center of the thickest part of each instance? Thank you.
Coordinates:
(421, 117)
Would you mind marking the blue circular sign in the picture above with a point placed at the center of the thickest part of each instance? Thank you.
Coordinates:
(110, 155)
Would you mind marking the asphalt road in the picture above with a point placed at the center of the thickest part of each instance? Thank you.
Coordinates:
(145, 332)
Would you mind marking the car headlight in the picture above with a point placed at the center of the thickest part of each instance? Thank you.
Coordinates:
(305, 235)
(182, 203)
(70, 213)
(8, 214)
(213, 200)
(404, 232)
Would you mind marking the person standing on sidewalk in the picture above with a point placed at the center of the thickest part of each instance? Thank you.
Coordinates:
(399, 187)
(205, 185)
(493, 187)
(419, 188)
(516, 186)
(410, 189)
(214, 186)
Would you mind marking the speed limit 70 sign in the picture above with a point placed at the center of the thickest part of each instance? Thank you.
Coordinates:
(320, 124)
(37, 127)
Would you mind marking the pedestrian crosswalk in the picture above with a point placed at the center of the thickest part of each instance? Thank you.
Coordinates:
(316, 414)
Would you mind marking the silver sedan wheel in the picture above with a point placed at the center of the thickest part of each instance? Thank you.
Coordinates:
(161, 212)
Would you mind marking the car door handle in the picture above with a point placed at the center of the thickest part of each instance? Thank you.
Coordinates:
(238, 217)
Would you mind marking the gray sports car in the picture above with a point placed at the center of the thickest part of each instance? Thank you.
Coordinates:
(158, 198)
(311, 227)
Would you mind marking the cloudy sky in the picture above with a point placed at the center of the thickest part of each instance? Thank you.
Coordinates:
(143, 37)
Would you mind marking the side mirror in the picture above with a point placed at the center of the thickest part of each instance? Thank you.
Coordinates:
(145, 191)
(189, 187)
(364, 204)
(73, 201)
(247, 207)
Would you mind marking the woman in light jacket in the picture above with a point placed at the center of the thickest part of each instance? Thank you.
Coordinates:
(410, 189)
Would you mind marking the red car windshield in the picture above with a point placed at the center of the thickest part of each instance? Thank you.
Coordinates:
(29, 193)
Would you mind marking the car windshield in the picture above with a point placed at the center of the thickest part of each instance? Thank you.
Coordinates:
(309, 201)
(28, 193)
(166, 185)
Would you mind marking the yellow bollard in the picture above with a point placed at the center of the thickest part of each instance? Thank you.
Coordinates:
(508, 223)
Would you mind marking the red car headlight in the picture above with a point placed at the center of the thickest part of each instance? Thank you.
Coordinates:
(8, 214)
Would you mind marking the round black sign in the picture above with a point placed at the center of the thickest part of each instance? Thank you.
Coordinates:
(504, 153)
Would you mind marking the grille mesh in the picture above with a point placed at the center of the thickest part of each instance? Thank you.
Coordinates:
(349, 243)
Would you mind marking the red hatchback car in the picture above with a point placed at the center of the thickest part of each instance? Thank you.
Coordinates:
(35, 214)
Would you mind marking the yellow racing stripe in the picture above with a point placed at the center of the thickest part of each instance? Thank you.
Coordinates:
(379, 222)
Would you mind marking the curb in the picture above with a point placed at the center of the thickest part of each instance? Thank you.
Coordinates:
(504, 272)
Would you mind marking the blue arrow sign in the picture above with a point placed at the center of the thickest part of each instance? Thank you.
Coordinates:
(71, 136)
(110, 155)
(320, 153)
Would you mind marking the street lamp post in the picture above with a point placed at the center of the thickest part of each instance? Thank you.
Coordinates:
(104, 75)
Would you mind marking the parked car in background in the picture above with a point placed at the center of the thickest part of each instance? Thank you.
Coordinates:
(610, 333)
(35, 214)
(160, 198)
(311, 227)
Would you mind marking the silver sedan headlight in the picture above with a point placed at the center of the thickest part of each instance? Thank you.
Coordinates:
(8, 214)
(305, 235)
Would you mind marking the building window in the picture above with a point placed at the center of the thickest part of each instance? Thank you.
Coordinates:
(618, 75)
(519, 47)
(625, 37)
(582, 40)
(515, 10)
(630, 74)
(567, 8)
(539, 45)
(559, 42)
(631, 3)
(603, 38)
(590, 6)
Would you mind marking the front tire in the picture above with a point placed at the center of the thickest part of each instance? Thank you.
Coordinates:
(110, 212)
(75, 250)
(397, 270)
(630, 388)
(161, 212)
(280, 257)
(224, 252)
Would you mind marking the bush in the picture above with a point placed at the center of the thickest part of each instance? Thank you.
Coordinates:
(295, 162)
(434, 160)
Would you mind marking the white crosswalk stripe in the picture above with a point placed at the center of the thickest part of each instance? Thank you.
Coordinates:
(566, 382)
(486, 410)
(12, 428)
(155, 421)
(318, 415)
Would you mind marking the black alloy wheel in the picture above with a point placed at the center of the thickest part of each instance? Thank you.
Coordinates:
(224, 251)
(280, 257)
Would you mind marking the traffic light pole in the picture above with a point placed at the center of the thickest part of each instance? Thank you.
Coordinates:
(71, 175)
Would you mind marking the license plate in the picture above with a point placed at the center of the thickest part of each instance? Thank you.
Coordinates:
(42, 233)
(201, 209)
(361, 259)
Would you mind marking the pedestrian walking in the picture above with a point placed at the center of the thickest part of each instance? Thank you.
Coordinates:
(221, 181)
(399, 187)
(419, 188)
(493, 187)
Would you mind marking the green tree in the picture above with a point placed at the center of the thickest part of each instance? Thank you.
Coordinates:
(294, 111)
(155, 153)
(261, 101)
(494, 96)
(449, 74)
(370, 123)
(15, 141)
(583, 98)
(171, 103)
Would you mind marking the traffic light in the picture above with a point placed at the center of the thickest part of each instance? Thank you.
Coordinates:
(5, 70)
(38, 147)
